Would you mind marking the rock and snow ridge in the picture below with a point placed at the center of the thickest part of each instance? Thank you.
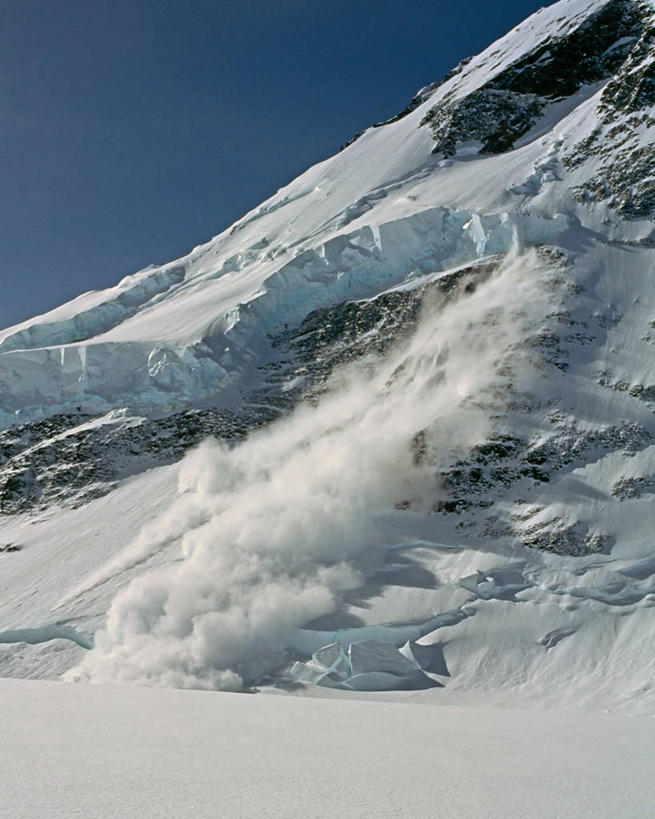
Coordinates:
(506, 530)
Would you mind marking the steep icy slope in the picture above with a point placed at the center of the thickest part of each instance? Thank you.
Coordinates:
(463, 297)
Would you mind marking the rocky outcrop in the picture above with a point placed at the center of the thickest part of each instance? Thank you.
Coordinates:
(508, 105)
(71, 459)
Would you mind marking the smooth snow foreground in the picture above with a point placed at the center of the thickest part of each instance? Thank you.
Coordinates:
(107, 751)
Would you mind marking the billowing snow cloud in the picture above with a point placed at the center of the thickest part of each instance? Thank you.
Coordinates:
(274, 530)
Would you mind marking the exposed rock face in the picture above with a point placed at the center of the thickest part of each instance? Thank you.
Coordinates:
(505, 109)
(615, 46)
(591, 52)
(331, 337)
(69, 460)
(495, 118)
(625, 179)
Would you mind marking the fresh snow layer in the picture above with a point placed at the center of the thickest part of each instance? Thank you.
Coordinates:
(107, 751)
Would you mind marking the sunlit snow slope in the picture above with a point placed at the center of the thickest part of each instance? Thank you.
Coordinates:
(429, 364)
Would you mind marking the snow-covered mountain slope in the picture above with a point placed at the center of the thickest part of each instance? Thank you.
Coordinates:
(452, 322)
(385, 208)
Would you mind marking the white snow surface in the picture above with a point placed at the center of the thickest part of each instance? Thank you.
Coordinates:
(107, 751)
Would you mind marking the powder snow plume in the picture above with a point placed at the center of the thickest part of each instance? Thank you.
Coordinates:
(274, 530)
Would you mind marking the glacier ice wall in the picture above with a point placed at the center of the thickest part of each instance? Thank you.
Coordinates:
(76, 363)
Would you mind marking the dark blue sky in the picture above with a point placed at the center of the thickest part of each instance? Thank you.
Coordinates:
(132, 130)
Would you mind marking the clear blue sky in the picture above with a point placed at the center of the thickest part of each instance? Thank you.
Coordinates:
(132, 130)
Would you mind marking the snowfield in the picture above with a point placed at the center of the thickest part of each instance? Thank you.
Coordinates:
(107, 751)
